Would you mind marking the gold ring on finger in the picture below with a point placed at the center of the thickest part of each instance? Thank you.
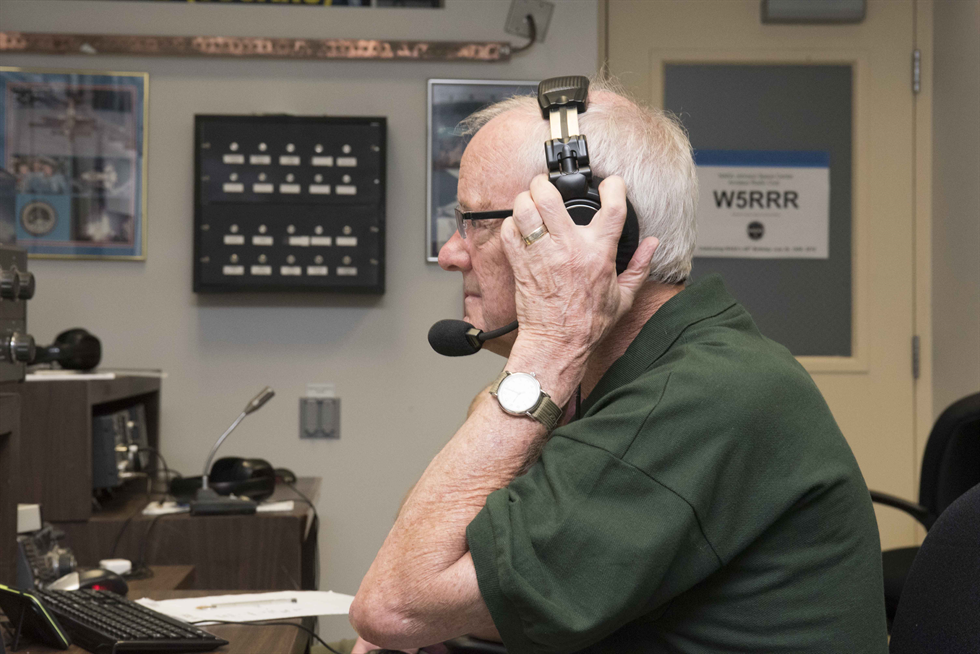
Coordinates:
(535, 235)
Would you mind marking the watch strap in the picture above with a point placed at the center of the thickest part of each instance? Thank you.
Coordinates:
(546, 412)
(496, 382)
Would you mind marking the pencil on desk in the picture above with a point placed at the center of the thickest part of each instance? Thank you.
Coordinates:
(288, 600)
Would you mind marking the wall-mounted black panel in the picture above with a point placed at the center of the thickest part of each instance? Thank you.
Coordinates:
(289, 203)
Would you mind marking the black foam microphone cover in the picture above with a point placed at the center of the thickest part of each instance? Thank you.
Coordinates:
(448, 338)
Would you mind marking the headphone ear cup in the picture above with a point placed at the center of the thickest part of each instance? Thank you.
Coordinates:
(582, 210)
(80, 350)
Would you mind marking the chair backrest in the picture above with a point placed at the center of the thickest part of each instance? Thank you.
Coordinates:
(939, 610)
(951, 463)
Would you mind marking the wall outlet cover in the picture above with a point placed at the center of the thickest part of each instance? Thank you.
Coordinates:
(319, 417)
(540, 10)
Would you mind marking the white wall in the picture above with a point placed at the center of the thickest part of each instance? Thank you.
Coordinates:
(399, 400)
(956, 202)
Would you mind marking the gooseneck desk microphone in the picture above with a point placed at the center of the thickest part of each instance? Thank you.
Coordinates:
(458, 338)
(208, 502)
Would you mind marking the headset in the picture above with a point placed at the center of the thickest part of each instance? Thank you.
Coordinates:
(74, 349)
(561, 99)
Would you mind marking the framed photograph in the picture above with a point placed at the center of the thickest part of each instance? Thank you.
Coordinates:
(75, 142)
(450, 101)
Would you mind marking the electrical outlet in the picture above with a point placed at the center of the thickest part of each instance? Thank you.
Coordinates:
(319, 412)
(539, 10)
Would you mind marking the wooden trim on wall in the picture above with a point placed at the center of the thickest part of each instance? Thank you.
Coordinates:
(922, 233)
(255, 47)
(602, 22)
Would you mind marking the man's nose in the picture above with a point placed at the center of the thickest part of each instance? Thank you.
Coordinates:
(454, 255)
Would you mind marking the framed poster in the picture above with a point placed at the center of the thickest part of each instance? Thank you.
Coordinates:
(76, 144)
(450, 101)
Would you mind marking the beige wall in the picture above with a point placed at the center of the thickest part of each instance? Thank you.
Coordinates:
(400, 401)
(956, 202)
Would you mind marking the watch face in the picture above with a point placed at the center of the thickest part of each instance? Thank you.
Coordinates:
(518, 392)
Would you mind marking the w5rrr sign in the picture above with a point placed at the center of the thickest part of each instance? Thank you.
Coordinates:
(756, 204)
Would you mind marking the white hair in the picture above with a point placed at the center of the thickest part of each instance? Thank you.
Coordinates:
(647, 147)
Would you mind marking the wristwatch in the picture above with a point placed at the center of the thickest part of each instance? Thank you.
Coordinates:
(520, 394)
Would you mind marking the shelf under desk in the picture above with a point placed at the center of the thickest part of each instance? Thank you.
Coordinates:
(265, 551)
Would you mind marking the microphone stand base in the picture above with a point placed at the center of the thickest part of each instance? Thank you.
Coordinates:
(208, 502)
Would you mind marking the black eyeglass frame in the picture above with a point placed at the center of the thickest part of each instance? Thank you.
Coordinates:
(462, 216)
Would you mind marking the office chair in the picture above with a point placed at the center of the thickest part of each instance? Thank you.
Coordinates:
(940, 606)
(950, 466)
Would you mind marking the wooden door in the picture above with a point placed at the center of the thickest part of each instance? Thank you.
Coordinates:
(869, 385)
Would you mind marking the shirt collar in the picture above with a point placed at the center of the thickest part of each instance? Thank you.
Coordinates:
(704, 298)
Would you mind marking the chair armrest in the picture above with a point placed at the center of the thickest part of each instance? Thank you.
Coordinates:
(917, 511)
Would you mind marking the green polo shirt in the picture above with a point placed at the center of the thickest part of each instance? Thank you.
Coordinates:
(704, 502)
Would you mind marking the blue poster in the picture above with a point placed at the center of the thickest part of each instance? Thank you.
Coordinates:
(76, 145)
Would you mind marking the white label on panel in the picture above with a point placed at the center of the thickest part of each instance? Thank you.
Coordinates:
(763, 204)
(320, 189)
(263, 188)
(343, 189)
(290, 270)
(229, 187)
(234, 158)
(262, 240)
(261, 270)
(346, 162)
(349, 241)
(234, 239)
(346, 271)
(322, 161)
(317, 271)
(260, 159)
(300, 241)
(289, 160)
(321, 240)
(233, 270)
(289, 188)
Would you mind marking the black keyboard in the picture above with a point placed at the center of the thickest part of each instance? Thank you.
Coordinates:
(101, 622)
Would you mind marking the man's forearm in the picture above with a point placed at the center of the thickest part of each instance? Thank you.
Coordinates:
(422, 583)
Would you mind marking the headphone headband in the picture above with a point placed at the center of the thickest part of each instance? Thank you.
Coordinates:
(561, 100)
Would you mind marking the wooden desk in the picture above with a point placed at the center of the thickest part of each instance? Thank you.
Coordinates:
(165, 577)
(265, 551)
(56, 437)
(265, 639)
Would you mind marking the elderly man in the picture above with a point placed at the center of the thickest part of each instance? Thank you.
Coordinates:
(697, 496)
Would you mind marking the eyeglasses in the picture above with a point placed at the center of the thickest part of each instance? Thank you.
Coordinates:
(463, 216)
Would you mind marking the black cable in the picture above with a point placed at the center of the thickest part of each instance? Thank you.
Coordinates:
(166, 469)
(271, 624)
(316, 526)
(532, 28)
(122, 530)
(140, 569)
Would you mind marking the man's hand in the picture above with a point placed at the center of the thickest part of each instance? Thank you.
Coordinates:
(567, 292)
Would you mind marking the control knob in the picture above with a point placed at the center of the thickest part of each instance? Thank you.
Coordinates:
(26, 291)
(20, 348)
(9, 284)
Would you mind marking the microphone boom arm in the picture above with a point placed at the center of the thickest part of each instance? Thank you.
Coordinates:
(217, 444)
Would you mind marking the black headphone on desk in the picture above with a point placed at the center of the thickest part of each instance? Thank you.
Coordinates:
(74, 349)
(561, 99)
(251, 478)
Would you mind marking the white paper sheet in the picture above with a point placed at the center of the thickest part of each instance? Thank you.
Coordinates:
(162, 508)
(253, 607)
